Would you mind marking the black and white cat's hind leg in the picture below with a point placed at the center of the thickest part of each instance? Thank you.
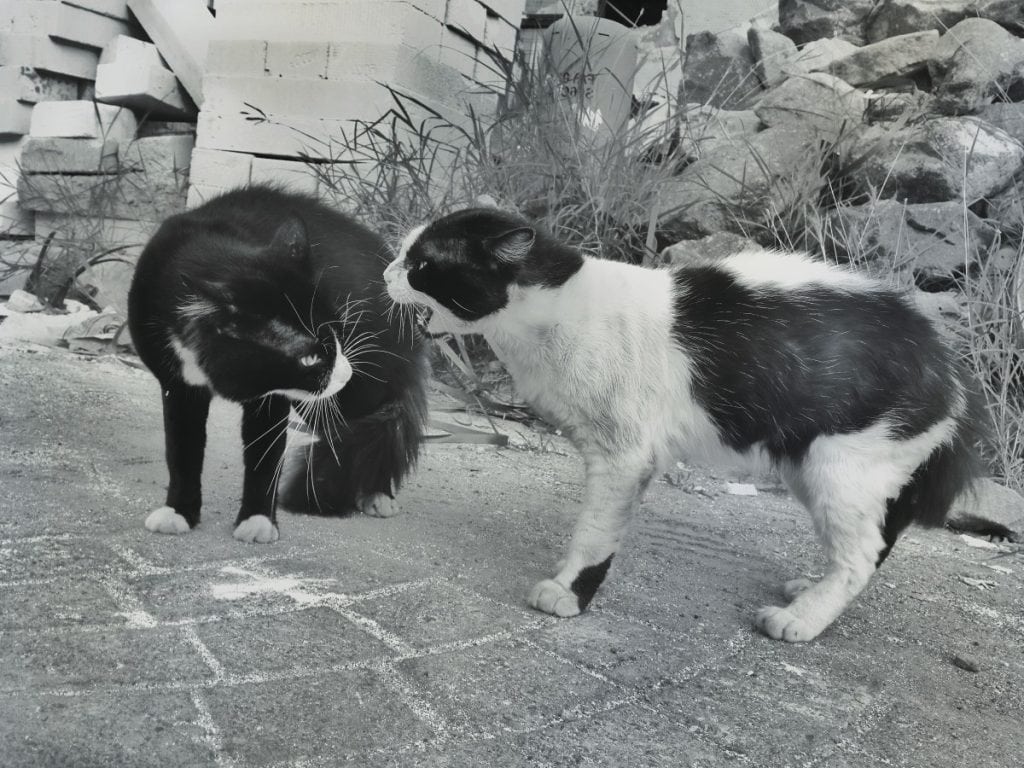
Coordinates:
(862, 490)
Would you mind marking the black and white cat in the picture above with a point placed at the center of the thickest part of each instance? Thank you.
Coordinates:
(275, 301)
(838, 381)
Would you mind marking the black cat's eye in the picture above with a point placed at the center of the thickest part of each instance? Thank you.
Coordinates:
(309, 361)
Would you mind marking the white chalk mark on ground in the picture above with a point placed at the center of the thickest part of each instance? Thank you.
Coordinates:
(135, 614)
(410, 696)
(211, 733)
(193, 639)
(304, 591)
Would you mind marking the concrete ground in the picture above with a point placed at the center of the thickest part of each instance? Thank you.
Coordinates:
(406, 641)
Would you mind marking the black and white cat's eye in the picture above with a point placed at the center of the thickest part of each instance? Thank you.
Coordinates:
(309, 361)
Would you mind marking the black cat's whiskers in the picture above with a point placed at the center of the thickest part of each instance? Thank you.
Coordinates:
(196, 307)
(298, 316)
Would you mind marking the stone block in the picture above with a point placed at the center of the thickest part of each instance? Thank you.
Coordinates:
(807, 20)
(181, 30)
(42, 52)
(32, 86)
(15, 117)
(83, 119)
(159, 154)
(61, 155)
(718, 70)
(816, 100)
(304, 60)
(131, 74)
(133, 195)
(467, 17)
(292, 174)
(215, 168)
(457, 52)
(510, 10)
(115, 9)
(773, 54)
(367, 21)
(899, 17)
(63, 22)
(974, 64)
(501, 37)
(15, 221)
(237, 57)
(105, 232)
(404, 68)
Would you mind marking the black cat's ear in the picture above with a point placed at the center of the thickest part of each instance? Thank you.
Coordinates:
(513, 246)
(291, 238)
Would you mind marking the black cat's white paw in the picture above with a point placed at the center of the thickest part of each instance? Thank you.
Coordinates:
(551, 597)
(782, 624)
(379, 505)
(257, 529)
(166, 520)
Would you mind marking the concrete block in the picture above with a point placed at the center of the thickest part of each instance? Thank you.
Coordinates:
(236, 57)
(59, 155)
(181, 30)
(42, 52)
(467, 17)
(510, 10)
(500, 36)
(293, 174)
(296, 59)
(61, 22)
(105, 232)
(159, 154)
(399, 66)
(354, 21)
(15, 117)
(458, 52)
(216, 168)
(135, 195)
(31, 86)
(83, 119)
(15, 221)
(202, 193)
(130, 74)
(116, 9)
(165, 128)
(352, 99)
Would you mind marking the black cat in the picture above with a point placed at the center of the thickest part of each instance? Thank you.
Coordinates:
(275, 301)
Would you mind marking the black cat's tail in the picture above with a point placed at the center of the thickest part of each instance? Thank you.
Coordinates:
(337, 472)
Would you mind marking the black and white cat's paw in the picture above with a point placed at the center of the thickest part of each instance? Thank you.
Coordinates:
(783, 624)
(551, 597)
(379, 505)
(166, 520)
(258, 529)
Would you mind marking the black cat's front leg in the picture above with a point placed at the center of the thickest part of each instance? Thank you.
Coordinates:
(264, 434)
(615, 487)
(185, 412)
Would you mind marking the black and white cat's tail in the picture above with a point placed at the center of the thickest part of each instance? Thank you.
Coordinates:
(952, 470)
(367, 457)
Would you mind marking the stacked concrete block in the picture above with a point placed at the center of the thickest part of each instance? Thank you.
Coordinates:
(182, 30)
(286, 78)
(131, 73)
(96, 187)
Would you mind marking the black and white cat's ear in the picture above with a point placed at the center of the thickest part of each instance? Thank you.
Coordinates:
(291, 238)
(513, 246)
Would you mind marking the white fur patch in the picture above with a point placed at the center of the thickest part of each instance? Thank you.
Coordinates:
(191, 371)
(408, 242)
(166, 520)
(790, 270)
(551, 597)
(341, 374)
(256, 530)
(379, 505)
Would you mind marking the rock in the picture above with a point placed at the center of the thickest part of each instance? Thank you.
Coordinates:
(735, 187)
(710, 248)
(895, 57)
(946, 309)
(1006, 117)
(1007, 210)
(773, 55)
(898, 17)
(718, 70)
(975, 63)
(925, 163)
(928, 239)
(994, 502)
(705, 129)
(816, 100)
(897, 104)
(819, 55)
(807, 20)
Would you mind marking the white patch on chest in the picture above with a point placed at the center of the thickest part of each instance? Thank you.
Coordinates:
(191, 372)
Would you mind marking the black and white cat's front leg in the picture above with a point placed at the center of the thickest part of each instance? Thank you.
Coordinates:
(614, 489)
(185, 410)
(264, 435)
